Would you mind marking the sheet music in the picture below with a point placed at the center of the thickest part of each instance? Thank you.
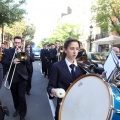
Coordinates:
(111, 63)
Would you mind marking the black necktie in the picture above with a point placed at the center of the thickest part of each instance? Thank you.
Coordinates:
(72, 71)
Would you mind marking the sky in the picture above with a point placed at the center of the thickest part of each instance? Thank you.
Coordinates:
(44, 14)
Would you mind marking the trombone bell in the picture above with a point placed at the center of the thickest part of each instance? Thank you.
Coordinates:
(22, 56)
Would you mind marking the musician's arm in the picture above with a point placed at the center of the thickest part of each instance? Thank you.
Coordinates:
(52, 85)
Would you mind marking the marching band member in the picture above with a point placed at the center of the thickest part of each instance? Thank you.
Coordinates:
(19, 83)
(64, 72)
(1, 70)
(42, 58)
(28, 50)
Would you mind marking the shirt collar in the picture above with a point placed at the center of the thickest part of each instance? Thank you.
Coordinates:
(68, 63)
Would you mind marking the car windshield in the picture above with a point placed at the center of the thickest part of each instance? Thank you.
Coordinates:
(36, 50)
(99, 57)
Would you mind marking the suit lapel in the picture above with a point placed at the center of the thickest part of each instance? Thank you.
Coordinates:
(66, 70)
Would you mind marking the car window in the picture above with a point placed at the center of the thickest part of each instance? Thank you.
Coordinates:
(88, 55)
(99, 57)
(36, 50)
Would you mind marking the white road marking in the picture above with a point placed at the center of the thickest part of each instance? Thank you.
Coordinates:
(52, 106)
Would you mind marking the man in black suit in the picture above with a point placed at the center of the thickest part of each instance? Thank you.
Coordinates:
(42, 57)
(19, 83)
(53, 53)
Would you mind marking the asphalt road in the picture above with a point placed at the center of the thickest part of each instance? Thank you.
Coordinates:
(38, 105)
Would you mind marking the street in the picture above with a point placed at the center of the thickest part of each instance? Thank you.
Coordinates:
(39, 107)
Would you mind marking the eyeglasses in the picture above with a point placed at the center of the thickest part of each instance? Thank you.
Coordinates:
(17, 42)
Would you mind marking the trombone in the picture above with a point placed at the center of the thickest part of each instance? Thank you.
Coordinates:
(22, 56)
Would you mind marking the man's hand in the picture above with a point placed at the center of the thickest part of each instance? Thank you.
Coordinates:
(18, 50)
(16, 61)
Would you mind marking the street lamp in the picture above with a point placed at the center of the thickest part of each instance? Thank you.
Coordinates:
(91, 30)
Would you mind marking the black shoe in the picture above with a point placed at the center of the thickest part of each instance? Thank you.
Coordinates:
(15, 113)
(22, 118)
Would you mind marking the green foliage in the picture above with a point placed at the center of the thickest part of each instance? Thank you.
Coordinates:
(29, 32)
(62, 32)
(107, 15)
(21, 29)
(16, 29)
(66, 30)
(10, 11)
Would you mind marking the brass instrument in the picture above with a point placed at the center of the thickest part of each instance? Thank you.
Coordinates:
(60, 50)
(82, 59)
(22, 56)
(83, 64)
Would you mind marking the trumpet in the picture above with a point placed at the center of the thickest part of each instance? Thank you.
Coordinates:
(60, 51)
(22, 56)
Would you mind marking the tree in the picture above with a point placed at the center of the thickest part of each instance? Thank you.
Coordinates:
(64, 31)
(107, 15)
(21, 29)
(29, 32)
(16, 28)
(10, 12)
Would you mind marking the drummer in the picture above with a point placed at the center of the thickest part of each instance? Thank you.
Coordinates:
(64, 72)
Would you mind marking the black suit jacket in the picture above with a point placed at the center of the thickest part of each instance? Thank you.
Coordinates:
(1, 74)
(60, 77)
(42, 54)
(21, 68)
(53, 53)
(30, 65)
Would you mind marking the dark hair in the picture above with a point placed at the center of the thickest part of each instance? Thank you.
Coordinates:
(30, 47)
(52, 44)
(2, 43)
(18, 37)
(67, 43)
(57, 41)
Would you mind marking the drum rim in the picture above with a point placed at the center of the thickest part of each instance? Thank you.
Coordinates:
(75, 81)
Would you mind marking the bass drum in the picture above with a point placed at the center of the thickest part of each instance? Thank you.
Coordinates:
(90, 98)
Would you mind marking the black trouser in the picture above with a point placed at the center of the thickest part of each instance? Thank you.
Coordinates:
(1, 114)
(57, 108)
(18, 90)
(1, 74)
(29, 82)
(43, 66)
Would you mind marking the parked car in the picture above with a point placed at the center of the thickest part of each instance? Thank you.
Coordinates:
(97, 60)
(36, 52)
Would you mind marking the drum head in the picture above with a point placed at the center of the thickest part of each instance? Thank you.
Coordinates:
(87, 99)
